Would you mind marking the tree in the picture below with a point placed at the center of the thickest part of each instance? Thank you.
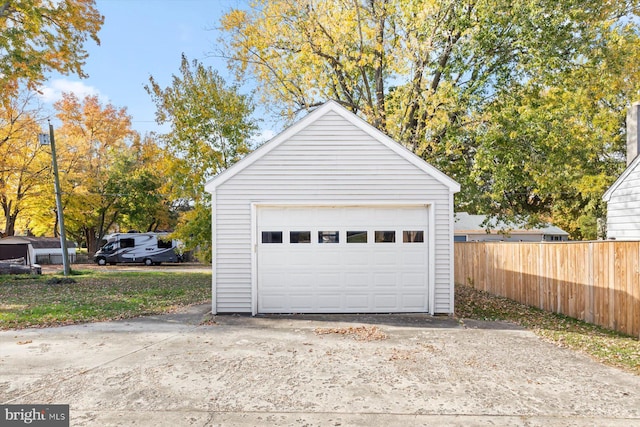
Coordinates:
(139, 177)
(24, 165)
(540, 155)
(449, 78)
(552, 148)
(111, 179)
(38, 36)
(210, 129)
(90, 140)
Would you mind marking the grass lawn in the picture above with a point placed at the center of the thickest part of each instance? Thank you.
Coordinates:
(607, 346)
(88, 296)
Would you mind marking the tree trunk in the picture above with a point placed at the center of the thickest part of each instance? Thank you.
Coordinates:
(56, 233)
(10, 226)
(92, 241)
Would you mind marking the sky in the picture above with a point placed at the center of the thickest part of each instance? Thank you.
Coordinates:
(142, 38)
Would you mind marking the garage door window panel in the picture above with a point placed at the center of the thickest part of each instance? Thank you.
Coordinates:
(328, 237)
(272, 237)
(300, 237)
(386, 236)
(356, 237)
(413, 236)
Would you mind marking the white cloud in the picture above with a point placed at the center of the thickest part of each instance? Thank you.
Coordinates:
(53, 91)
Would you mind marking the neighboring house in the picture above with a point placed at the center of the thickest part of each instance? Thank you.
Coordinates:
(46, 250)
(623, 197)
(471, 228)
(332, 216)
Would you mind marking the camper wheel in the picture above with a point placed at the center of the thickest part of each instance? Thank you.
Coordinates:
(101, 261)
(147, 261)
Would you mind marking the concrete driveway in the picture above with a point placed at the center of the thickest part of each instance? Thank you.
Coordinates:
(308, 370)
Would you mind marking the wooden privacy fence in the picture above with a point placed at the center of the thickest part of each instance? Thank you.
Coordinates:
(598, 282)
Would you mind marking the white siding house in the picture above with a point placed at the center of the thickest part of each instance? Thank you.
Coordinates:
(623, 197)
(332, 216)
(472, 228)
(45, 250)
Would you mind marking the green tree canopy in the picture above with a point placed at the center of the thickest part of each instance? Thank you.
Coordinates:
(144, 198)
(210, 127)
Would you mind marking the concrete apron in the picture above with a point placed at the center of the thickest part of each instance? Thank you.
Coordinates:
(170, 370)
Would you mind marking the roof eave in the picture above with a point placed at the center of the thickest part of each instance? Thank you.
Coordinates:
(607, 194)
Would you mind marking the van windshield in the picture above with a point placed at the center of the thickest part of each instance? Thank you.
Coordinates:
(109, 247)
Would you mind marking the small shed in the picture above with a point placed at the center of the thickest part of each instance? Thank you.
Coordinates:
(471, 228)
(11, 248)
(623, 197)
(332, 216)
(45, 250)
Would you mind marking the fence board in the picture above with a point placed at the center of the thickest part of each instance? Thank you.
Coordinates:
(598, 282)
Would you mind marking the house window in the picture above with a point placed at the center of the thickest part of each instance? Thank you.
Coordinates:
(272, 237)
(459, 238)
(356, 237)
(413, 236)
(127, 243)
(328, 236)
(385, 236)
(164, 244)
(300, 237)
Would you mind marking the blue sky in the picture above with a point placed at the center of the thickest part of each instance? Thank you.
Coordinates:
(140, 38)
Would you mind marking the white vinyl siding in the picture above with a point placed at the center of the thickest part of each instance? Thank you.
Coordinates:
(623, 207)
(331, 161)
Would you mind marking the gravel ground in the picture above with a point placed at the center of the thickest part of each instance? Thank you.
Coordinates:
(190, 369)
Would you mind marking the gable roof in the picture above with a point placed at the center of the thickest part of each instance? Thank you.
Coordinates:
(465, 222)
(607, 194)
(327, 107)
(37, 242)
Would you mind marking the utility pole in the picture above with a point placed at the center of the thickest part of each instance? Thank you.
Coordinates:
(56, 181)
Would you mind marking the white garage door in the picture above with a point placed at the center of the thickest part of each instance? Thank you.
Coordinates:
(342, 259)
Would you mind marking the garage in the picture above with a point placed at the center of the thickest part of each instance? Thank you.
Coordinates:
(332, 216)
(342, 259)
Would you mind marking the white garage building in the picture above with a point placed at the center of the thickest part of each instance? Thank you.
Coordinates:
(332, 216)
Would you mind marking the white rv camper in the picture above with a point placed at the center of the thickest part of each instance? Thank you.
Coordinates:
(147, 248)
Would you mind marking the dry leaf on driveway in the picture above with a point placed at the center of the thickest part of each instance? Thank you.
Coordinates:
(359, 333)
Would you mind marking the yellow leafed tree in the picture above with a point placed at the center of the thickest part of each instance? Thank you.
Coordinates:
(91, 137)
(39, 36)
(24, 165)
(448, 78)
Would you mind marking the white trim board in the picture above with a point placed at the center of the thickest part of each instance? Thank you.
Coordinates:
(430, 236)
